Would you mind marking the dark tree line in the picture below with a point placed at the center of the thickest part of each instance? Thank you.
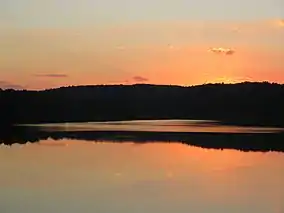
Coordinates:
(244, 103)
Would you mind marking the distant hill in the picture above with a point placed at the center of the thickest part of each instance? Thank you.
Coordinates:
(245, 103)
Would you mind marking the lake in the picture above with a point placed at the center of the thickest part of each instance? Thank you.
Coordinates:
(142, 167)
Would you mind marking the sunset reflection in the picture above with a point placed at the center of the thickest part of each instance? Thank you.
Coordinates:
(165, 172)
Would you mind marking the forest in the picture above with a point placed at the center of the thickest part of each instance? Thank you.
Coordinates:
(247, 103)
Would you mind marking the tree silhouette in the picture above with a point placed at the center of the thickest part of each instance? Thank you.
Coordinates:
(243, 103)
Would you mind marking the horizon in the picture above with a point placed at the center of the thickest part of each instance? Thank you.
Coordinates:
(146, 84)
(55, 43)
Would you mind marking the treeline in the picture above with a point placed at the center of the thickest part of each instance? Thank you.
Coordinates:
(243, 103)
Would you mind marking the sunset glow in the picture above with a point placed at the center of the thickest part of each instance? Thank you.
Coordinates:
(106, 47)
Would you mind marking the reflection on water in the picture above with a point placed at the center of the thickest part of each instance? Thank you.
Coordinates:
(66, 169)
(69, 176)
(158, 126)
(207, 134)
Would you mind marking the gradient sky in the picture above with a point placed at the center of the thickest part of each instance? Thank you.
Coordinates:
(53, 43)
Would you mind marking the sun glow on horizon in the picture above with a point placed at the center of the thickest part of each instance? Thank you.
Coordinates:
(229, 80)
(153, 53)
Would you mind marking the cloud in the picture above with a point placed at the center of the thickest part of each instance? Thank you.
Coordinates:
(135, 79)
(8, 85)
(52, 75)
(220, 50)
(140, 79)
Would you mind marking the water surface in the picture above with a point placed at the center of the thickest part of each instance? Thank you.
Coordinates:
(158, 126)
(69, 176)
(145, 166)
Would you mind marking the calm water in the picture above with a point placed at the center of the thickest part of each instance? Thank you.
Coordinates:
(68, 176)
(157, 126)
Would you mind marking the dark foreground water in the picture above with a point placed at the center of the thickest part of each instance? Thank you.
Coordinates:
(113, 168)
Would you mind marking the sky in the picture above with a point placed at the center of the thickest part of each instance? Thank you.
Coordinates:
(53, 43)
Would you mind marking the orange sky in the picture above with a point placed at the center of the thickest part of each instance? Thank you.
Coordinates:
(154, 52)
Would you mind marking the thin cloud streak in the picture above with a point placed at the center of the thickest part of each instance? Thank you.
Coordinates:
(52, 75)
(135, 79)
(140, 79)
(9, 85)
